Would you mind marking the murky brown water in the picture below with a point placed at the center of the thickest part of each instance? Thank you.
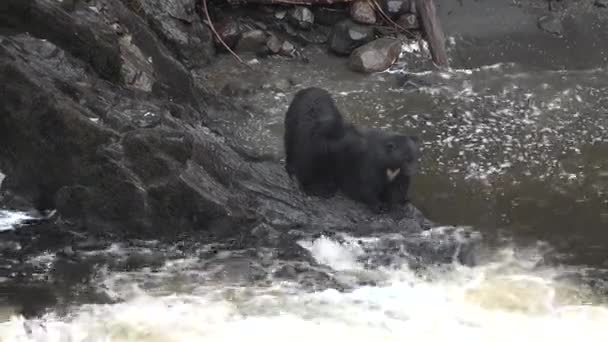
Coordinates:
(509, 150)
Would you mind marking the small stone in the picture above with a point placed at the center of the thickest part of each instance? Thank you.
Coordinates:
(287, 49)
(281, 85)
(601, 3)
(274, 44)
(395, 7)
(551, 24)
(302, 17)
(375, 56)
(348, 35)
(408, 21)
(280, 15)
(252, 41)
(362, 11)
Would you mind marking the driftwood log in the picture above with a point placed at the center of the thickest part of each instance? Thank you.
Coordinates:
(433, 31)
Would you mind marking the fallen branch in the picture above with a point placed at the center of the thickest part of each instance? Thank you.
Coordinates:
(212, 27)
(434, 33)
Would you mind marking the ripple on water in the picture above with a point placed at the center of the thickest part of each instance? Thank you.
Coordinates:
(507, 298)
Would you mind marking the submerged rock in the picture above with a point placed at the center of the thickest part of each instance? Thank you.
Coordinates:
(348, 35)
(362, 11)
(551, 24)
(375, 56)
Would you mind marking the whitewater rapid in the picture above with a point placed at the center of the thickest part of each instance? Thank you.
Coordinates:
(505, 298)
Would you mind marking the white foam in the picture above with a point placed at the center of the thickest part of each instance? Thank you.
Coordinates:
(333, 254)
(504, 299)
(10, 219)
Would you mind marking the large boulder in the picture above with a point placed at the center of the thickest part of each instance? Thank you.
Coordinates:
(375, 56)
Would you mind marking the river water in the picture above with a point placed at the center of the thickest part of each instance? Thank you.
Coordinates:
(515, 154)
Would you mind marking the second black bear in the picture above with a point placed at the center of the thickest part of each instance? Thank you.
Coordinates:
(313, 124)
(375, 167)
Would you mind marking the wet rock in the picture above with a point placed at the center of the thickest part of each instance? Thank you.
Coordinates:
(362, 11)
(601, 3)
(137, 71)
(266, 234)
(274, 44)
(287, 49)
(229, 31)
(302, 17)
(551, 24)
(375, 56)
(348, 35)
(98, 46)
(408, 21)
(252, 41)
(178, 24)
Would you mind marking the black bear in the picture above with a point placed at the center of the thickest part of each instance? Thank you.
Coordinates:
(375, 167)
(326, 154)
(313, 124)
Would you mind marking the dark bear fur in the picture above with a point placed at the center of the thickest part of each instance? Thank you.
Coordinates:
(376, 167)
(313, 124)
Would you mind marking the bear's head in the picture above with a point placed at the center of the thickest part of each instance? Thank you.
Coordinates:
(400, 155)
